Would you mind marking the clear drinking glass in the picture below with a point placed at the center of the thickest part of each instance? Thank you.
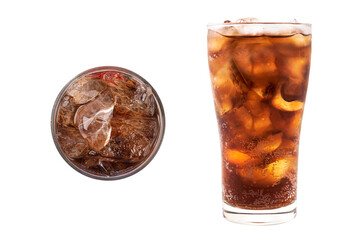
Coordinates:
(259, 74)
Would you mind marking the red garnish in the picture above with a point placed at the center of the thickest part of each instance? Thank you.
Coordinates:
(109, 76)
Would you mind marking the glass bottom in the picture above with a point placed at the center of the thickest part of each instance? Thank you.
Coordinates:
(259, 217)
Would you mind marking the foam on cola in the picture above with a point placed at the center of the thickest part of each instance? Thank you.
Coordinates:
(108, 122)
(259, 80)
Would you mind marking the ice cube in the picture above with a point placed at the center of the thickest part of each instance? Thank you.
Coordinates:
(141, 103)
(132, 139)
(85, 89)
(93, 118)
(263, 60)
(280, 168)
(236, 157)
(298, 45)
(104, 165)
(238, 119)
(300, 40)
(244, 117)
(71, 142)
(256, 60)
(218, 53)
(66, 111)
(243, 141)
(279, 102)
(297, 69)
(270, 143)
(269, 175)
(262, 123)
(225, 91)
(242, 58)
(216, 43)
(260, 113)
(133, 98)
(238, 78)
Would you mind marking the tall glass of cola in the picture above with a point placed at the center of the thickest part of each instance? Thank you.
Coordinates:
(259, 74)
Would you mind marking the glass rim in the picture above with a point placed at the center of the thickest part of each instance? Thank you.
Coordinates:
(132, 170)
(260, 28)
(258, 23)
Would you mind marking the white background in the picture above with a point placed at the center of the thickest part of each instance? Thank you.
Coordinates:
(44, 44)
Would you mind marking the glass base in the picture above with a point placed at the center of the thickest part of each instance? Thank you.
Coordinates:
(259, 217)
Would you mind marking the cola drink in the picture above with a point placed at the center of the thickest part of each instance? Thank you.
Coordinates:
(108, 123)
(259, 74)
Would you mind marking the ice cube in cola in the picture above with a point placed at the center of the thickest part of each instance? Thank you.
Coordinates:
(108, 123)
(259, 83)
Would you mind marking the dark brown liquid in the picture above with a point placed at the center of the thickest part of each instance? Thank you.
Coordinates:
(259, 86)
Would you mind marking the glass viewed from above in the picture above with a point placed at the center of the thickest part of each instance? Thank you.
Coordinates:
(108, 123)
